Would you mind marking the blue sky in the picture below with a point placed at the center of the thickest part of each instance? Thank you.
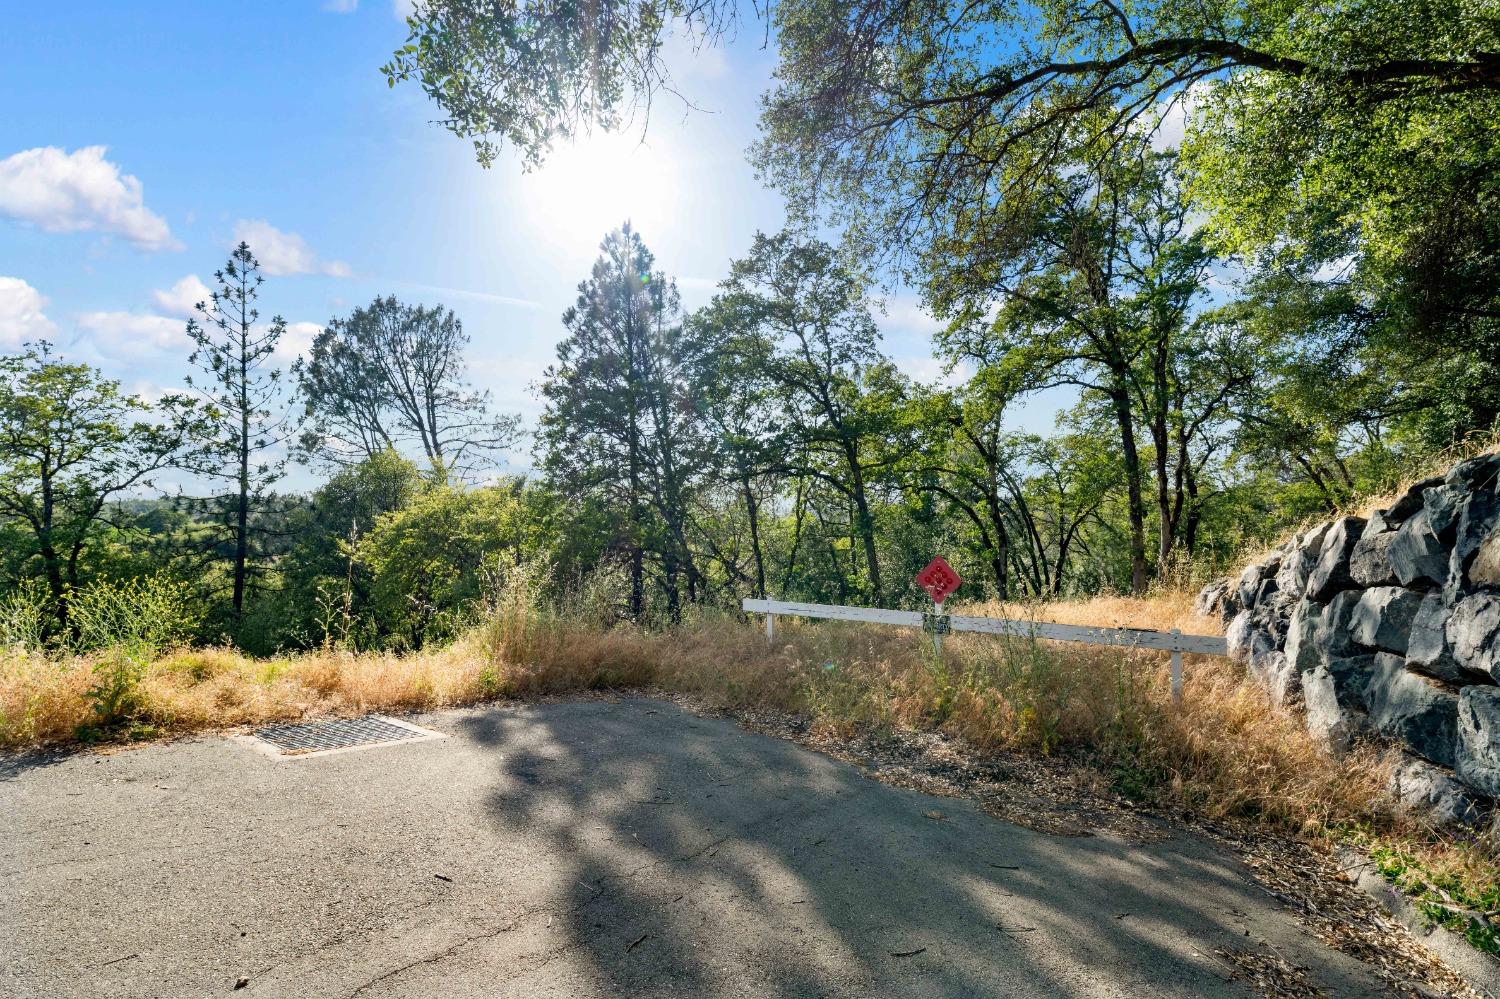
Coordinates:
(271, 122)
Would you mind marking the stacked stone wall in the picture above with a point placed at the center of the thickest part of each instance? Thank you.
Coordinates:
(1389, 627)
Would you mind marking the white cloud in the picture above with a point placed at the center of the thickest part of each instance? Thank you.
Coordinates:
(144, 336)
(1170, 126)
(59, 191)
(341, 6)
(181, 299)
(296, 341)
(134, 335)
(932, 371)
(907, 314)
(402, 8)
(21, 316)
(284, 253)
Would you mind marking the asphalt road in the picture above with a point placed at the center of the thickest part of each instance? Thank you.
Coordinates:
(588, 849)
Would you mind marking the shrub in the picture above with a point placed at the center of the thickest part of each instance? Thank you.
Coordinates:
(431, 558)
(130, 624)
(141, 617)
(24, 613)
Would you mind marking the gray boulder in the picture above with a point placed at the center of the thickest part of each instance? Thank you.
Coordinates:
(1376, 524)
(1331, 574)
(1237, 636)
(1383, 618)
(1335, 635)
(1480, 472)
(1416, 554)
(1478, 749)
(1484, 570)
(1302, 651)
(1427, 648)
(1210, 599)
(1412, 710)
(1246, 639)
(1333, 700)
(1473, 631)
(1410, 501)
(1298, 562)
(1282, 681)
(1443, 504)
(1370, 561)
(1271, 614)
(1249, 585)
(1434, 793)
(1480, 517)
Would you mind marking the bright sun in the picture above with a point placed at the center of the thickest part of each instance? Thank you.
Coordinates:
(589, 187)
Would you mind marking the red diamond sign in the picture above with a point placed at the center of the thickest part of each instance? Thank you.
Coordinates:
(938, 579)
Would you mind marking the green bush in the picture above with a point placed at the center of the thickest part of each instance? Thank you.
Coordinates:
(431, 560)
(130, 624)
(24, 614)
(140, 617)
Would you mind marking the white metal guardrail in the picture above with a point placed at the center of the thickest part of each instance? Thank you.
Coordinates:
(938, 624)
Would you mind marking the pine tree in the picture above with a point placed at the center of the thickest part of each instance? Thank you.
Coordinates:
(244, 391)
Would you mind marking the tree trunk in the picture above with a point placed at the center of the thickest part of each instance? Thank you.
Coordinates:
(752, 509)
(1193, 515)
(799, 512)
(1000, 553)
(866, 522)
(1136, 502)
(242, 505)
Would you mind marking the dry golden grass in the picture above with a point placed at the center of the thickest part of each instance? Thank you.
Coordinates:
(1225, 751)
(1435, 464)
(1162, 610)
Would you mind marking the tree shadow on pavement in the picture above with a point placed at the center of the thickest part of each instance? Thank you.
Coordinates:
(701, 859)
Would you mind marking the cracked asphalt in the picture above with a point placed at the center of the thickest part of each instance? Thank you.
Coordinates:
(589, 848)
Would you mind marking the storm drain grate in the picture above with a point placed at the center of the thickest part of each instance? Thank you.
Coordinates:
(346, 733)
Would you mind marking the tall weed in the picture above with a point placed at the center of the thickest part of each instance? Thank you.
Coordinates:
(24, 614)
(128, 625)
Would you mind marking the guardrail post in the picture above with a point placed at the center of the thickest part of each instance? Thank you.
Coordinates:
(1176, 668)
(939, 628)
(770, 629)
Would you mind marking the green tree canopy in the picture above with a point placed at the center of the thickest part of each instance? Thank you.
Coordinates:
(71, 442)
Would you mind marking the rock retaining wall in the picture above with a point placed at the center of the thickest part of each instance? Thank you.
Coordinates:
(1389, 626)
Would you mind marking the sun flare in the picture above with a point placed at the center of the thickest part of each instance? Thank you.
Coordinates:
(586, 188)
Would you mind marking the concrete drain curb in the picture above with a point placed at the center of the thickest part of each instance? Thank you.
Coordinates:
(1479, 969)
(342, 735)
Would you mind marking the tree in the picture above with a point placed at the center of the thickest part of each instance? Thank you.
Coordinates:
(244, 396)
(968, 459)
(526, 73)
(71, 444)
(618, 418)
(738, 406)
(429, 559)
(816, 316)
(331, 531)
(533, 73)
(1387, 213)
(392, 375)
(886, 102)
(1089, 283)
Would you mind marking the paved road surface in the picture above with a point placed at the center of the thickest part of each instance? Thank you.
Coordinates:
(587, 849)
